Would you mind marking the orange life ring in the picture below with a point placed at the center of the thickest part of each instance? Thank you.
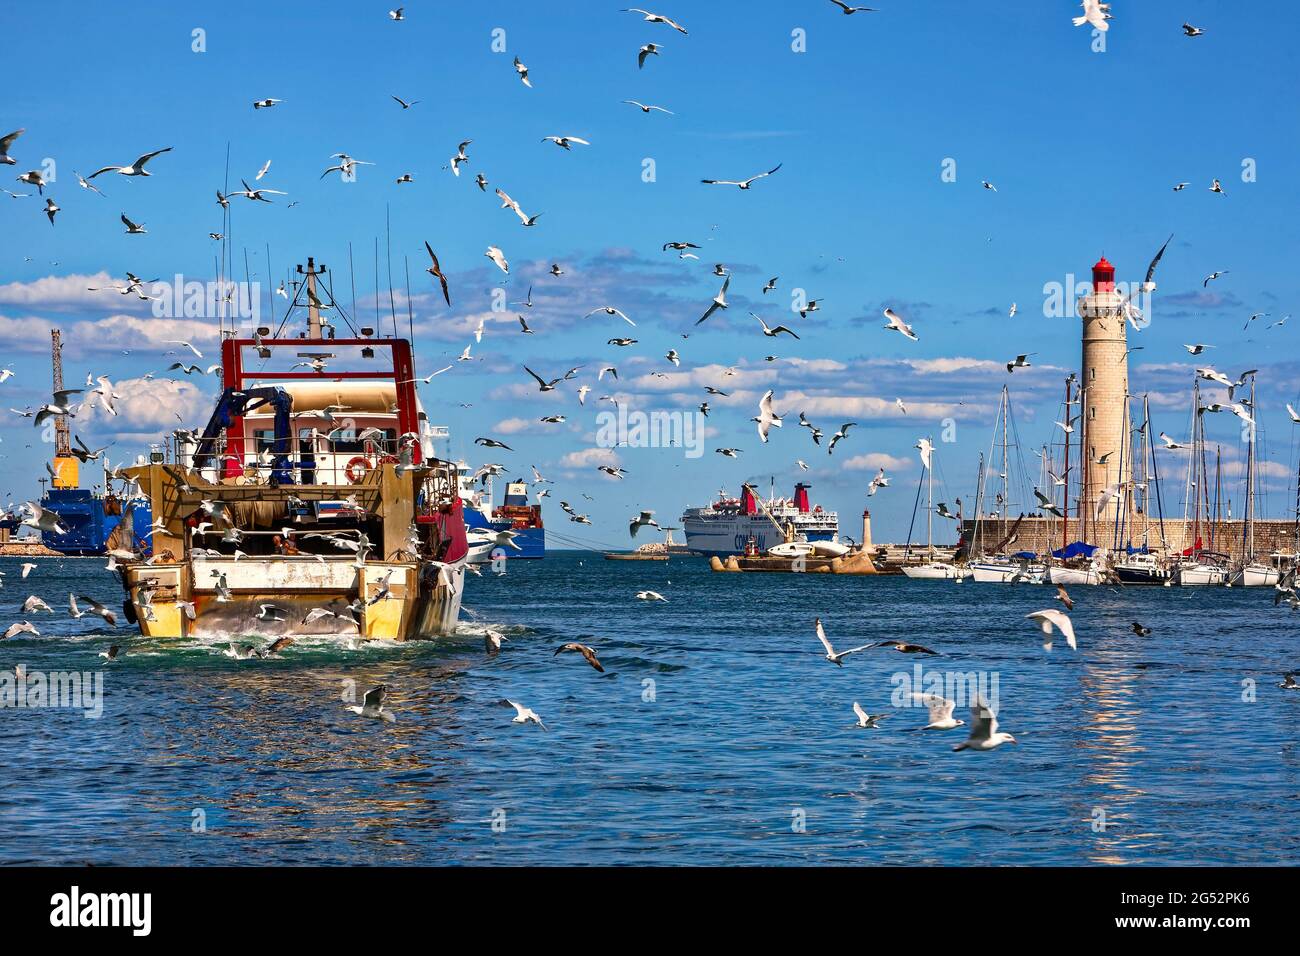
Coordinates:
(357, 469)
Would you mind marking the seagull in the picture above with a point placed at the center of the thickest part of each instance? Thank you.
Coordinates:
(839, 436)
(1022, 361)
(904, 648)
(656, 18)
(1295, 416)
(497, 256)
(492, 642)
(719, 301)
(878, 482)
(896, 324)
(1179, 187)
(50, 210)
(1064, 597)
(1094, 12)
(1149, 285)
(988, 185)
(22, 627)
(773, 332)
(1289, 682)
(1191, 31)
(644, 519)
(832, 655)
(743, 183)
(984, 733)
(5, 143)
(565, 142)
(849, 11)
(396, 15)
(610, 310)
(871, 721)
(27, 568)
(372, 704)
(133, 228)
(1213, 275)
(265, 104)
(584, 650)
(524, 715)
(135, 169)
(612, 471)
(1217, 187)
(34, 603)
(492, 443)
(728, 452)
(1169, 442)
(403, 103)
(646, 108)
(771, 284)
(941, 709)
(112, 653)
(1140, 630)
(542, 384)
(523, 73)
(673, 357)
(650, 596)
(1052, 618)
(266, 168)
(435, 270)
(1197, 349)
(269, 612)
(460, 157)
(767, 417)
(42, 520)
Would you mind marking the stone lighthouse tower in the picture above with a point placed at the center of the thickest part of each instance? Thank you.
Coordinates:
(1104, 405)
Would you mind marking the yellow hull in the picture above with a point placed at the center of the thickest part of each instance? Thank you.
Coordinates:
(397, 601)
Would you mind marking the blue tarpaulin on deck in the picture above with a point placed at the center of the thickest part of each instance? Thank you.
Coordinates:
(1075, 550)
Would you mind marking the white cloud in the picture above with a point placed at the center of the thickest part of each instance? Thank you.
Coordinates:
(590, 458)
(148, 407)
(110, 334)
(59, 293)
(875, 460)
(513, 426)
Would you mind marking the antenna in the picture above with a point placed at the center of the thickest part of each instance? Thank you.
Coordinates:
(388, 254)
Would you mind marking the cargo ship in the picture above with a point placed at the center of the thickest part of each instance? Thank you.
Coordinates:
(486, 523)
(87, 516)
(310, 504)
(733, 525)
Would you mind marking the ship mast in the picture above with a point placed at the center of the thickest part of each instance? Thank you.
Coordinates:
(313, 301)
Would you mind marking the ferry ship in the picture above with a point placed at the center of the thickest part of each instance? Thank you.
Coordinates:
(310, 504)
(727, 526)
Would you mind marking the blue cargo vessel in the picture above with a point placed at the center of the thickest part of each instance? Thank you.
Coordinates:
(89, 519)
(516, 515)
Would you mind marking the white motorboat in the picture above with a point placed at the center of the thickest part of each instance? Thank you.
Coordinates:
(1255, 575)
(1007, 571)
(1062, 574)
(936, 571)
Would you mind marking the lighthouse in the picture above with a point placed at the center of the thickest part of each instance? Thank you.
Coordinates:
(1103, 405)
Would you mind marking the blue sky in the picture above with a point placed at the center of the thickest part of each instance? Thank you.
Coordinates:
(1083, 147)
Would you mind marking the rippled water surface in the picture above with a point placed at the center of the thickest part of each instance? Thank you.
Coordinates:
(717, 734)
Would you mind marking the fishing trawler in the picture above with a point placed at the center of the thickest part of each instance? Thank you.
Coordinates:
(727, 526)
(311, 503)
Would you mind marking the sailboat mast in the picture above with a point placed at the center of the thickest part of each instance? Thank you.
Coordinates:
(929, 509)
(1065, 503)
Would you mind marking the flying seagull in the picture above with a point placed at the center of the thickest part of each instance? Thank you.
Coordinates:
(984, 733)
(135, 169)
(832, 655)
(742, 183)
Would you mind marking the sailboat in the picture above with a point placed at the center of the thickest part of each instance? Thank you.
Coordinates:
(1200, 566)
(1087, 566)
(999, 568)
(1252, 572)
(1140, 564)
(931, 569)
